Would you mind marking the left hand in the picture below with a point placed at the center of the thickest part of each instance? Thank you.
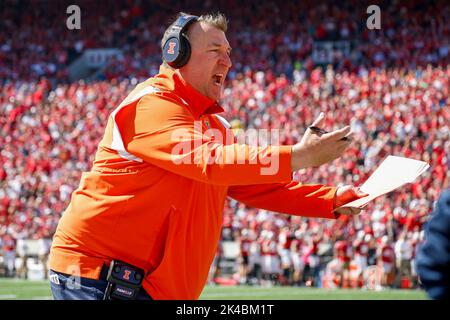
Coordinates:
(345, 195)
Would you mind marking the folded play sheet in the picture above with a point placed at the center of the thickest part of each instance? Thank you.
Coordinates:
(393, 173)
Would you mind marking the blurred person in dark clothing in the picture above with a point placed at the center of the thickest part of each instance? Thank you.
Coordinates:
(433, 261)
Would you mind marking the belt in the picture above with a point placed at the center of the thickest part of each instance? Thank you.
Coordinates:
(104, 272)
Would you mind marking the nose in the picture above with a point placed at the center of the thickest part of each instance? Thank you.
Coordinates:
(226, 60)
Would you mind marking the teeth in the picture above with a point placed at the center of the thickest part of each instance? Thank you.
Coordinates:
(218, 77)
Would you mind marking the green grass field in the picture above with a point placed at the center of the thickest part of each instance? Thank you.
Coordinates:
(12, 289)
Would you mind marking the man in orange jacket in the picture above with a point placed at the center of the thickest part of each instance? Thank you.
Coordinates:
(155, 194)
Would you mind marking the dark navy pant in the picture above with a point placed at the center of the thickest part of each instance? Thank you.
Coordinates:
(66, 287)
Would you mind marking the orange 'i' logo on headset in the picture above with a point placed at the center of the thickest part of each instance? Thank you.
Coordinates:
(126, 276)
(171, 47)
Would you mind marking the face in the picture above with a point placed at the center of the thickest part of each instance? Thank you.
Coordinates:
(209, 62)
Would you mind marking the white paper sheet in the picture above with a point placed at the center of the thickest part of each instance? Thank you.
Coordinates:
(393, 173)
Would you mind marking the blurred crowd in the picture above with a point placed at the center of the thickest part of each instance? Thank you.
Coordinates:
(268, 35)
(394, 91)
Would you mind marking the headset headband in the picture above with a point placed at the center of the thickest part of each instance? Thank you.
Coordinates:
(183, 22)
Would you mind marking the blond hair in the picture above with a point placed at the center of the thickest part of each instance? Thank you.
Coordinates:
(217, 20)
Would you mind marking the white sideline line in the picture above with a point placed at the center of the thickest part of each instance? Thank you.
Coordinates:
(244, 294)
(7, 296)
(261, 294)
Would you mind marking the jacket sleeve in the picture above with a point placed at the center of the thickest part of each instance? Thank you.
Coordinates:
(292, 198)
(165, 134)
(433, 259)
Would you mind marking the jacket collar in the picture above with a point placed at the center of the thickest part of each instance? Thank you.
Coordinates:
(170, 80)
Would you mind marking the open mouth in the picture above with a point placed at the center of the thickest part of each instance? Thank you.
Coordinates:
(218, 79)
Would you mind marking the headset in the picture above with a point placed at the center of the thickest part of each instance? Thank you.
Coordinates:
(177, 49)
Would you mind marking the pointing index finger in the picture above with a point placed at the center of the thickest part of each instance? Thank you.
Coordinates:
(337, 134)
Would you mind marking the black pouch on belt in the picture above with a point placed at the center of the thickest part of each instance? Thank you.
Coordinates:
(124, 281)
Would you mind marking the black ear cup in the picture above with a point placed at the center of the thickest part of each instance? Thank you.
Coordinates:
(177, 49)
(185, 47)
(171, 51)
